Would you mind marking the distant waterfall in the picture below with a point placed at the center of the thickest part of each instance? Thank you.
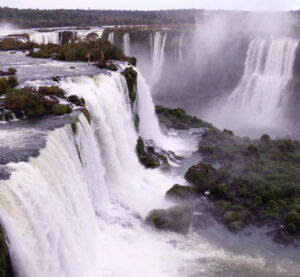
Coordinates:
(45, 38)
(158, 57)
(83, 34)
(260, 98)
(126, 44)
(111, 37)
(179, 48)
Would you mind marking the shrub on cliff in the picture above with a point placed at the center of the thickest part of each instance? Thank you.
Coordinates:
(179, 119)
(131, 78)
(13, 44)
(19, 100)
(79, 50)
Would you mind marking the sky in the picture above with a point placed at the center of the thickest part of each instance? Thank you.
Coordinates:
(257, 5)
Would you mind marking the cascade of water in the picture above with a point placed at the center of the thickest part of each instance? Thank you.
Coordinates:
(76, 209)
(179, 49)
(111, 37)
(126, 44)
(91, 180)
(45, 37)
(260, 98)
(83, 34)
(158, 57)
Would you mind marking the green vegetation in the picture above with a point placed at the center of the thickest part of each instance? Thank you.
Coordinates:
(87, 115)
(61, 109)
(179, 119)
(99, 51)
(13, 44)
(24, 100)
(74, 99)
(53, 91)
(12, 71)
(131, 78)
(258, 181)
(45, 51)
(111, 67)
(56, 18)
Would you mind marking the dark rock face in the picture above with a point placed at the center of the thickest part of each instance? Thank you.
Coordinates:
(5, 264)
(149, 158)
(177, 219)
(131, 78)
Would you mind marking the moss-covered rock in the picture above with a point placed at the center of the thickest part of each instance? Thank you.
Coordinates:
(74, 99)
(177, 219)
(182, 193)
(202, 176)
(87, 115)
(131, 60)
(149, 158)
(131, 78)
(111, 67)
(59, 109)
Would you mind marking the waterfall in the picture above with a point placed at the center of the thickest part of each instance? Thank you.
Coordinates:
(126, 44)
(76, 209)
(260, 98)
(83, 34)
(158, 57)
(45, 38)
(111, 37)
(179, 48)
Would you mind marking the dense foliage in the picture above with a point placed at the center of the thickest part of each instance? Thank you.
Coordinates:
(13, 44)
(258, 180)
(179, 119)
(58, 18)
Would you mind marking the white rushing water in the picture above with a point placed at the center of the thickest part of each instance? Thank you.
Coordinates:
(260, 99)
(158, 57)
(179, 48)
(111, 37)
(126, 44)
(78, 208)
(90, 181)
(45, 37)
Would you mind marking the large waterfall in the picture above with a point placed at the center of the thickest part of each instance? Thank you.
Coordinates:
(158, 57)
(45, 37)
(126, 44)
(76, 209)
(260, 98)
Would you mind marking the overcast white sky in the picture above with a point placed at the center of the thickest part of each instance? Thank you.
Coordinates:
(264, 5)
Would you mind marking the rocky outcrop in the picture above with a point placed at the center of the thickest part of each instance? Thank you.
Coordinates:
(177, 219)
(5, 264)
